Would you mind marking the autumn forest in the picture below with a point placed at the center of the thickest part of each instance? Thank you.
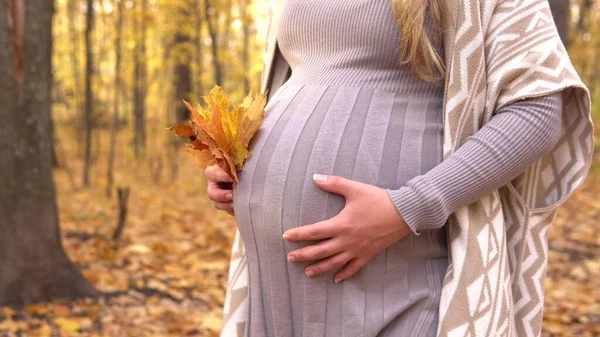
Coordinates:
(105, 226)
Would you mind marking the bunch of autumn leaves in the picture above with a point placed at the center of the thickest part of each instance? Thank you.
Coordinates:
(218, 135)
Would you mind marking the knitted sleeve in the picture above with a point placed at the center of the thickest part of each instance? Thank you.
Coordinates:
(517, 135)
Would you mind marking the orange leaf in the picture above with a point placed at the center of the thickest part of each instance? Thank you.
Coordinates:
(219, 135)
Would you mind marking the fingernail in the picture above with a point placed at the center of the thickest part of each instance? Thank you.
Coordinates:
(337, 280)
(229, 196)
(291, 258)
(320, 178)
(286, 236)
(310, 273)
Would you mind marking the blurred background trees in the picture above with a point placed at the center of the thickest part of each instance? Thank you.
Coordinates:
(128, 64)
(87, 88)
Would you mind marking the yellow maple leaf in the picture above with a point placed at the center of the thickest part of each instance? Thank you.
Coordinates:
(251, 120)
(219, 135)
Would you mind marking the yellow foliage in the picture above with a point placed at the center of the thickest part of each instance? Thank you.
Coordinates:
(68, 325)
(219, 135)
(212, 322)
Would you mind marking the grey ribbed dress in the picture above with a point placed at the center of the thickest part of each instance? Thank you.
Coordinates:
(349, 110)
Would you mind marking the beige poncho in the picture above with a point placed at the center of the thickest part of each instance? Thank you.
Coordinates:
(497, 52)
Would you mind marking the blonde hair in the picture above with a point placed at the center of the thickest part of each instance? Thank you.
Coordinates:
(421, 27)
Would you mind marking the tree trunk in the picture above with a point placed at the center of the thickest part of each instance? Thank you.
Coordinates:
(140, 71)
(224, 38)
(183, 59)
(199, 50)
(209, 11)
(585, 7)
(116, 101)
(123, 194)
(33, 264)
(246, 51)
(88, 92)
(561, 10)
(75, 68)
(183, 80)
(55, 161)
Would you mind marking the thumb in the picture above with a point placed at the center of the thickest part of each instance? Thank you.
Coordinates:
(334, 184)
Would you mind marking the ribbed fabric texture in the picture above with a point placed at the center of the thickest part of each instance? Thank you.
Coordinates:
(348, 43)
(514, 139)
(371, 135)
(349, 110)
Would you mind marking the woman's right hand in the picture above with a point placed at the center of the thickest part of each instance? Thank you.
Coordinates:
(217, 180)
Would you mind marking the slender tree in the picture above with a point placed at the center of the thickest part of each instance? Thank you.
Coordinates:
(74, 43)
(585, 7)
(73, 14)
(183, 59)
(88, 92)
(140, 78)
(33, 264)
(247, 22)
(199, 48)
(224, 38)
(210, 16)
(183, 84)
(116, 100)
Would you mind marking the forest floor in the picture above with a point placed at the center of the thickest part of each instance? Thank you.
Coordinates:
(166, 275)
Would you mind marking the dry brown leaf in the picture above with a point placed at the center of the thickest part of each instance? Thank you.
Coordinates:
(218, 135)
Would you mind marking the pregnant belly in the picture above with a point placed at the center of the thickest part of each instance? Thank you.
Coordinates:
(368, 135)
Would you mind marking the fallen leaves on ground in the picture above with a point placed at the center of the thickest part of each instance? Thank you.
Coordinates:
(572, 300)
(165, 277)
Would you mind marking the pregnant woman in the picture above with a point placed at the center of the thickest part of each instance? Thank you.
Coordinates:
(345, 203)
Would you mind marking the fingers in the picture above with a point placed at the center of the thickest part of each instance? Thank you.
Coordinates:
(332, 263)
(216, 174)
(318, 251)
(222, 198)
(223, 206)
(317, 231)
(352, 268)
(336, 184)
(217, 194)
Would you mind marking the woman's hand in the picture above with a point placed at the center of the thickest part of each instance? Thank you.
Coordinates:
(217, 178)
(368, 224)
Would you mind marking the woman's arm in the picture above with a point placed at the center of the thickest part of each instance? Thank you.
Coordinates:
(375, 218)
(517, 136)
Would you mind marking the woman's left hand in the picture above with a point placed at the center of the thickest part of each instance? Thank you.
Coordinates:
(368, 224)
